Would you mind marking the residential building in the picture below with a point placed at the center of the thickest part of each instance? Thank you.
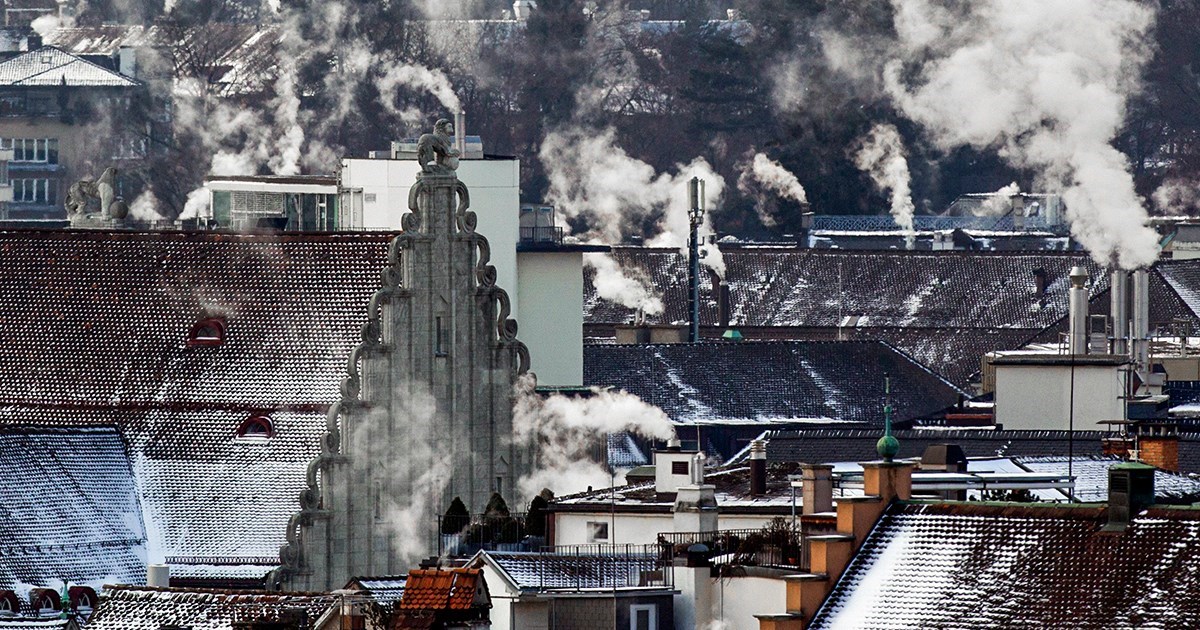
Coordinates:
(52, 105)
(308, 203)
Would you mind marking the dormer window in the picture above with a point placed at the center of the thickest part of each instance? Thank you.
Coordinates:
(9, 604)
(257, 426)
(207, 332)
(45, 601)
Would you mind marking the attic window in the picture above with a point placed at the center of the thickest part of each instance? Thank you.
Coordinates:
(257, 427)
(209, 331)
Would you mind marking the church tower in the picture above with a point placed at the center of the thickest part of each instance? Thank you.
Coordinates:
(427, 408)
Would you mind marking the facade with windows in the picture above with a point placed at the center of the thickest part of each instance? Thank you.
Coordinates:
(305, 203)
(59, 116)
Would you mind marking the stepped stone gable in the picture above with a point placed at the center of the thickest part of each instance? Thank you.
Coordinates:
(426, 410)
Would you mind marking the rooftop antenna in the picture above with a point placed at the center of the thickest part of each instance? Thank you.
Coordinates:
(888, 445)
(695, 217)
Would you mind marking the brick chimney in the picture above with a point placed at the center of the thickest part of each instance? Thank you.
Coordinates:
(1158, 445)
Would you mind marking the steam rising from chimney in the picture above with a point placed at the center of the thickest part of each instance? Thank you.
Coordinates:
(567, 428)
(625, 288)
(1045, 83)
(415, 77)
(774, 177)
(1000, 202)
(880, 154)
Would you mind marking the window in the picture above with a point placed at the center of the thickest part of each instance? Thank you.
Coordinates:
(207, 332)
(597, 531)
(643, 617)
(32, 150)
(39, 191)
(257, 426)
(439, 347)
(679, 468)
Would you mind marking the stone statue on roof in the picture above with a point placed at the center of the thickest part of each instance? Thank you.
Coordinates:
(82, 194)
(435, 151)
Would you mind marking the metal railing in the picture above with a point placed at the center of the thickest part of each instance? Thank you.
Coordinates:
(542, 234)
(496, 533)
(772, 546)
(582, 567)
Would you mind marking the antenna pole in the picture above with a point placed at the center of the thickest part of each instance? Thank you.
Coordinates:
(695, 217)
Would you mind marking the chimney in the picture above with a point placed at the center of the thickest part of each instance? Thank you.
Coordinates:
(127, 61)
(1077, 340)
(158, 575)
(817, 488)
(33, 41)
(1039, 282)
(1130, 490)
(1158, 444)
(1118, 295)
(696, 509)
(522, 9)
(460, 134)
(675, 468)
(1140, 344)
(758, 468)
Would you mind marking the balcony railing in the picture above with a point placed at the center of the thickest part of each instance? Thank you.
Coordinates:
(545, 234)
(772, 546)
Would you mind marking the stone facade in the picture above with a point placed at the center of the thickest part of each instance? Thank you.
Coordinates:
(426, 411)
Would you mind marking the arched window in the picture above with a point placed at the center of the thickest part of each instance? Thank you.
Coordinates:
(257, 426)
(82, 597)
(9, 604)
(209, 331)
(45, 600)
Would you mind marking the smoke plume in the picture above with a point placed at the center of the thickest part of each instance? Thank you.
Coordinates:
(880, 154)
(774, 177)
(615, 194)
(628, 289)
(1177, 196)
(566, 428)
(999, 202)
(1044, 83)
(418, 78)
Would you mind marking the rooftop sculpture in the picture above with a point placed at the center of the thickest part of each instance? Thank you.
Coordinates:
(436, 152)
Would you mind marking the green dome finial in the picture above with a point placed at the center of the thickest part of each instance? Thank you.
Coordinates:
(887, 446)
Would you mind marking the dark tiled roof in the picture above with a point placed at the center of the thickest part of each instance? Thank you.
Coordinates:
(775, 286)
(986, 566)
(954, 353)
(769, 381)
(68, 508)
(144, 608)
(384, 589)
(1091, 477)
(845, 445)
(841, 445)
(441, 589)
(103, 317)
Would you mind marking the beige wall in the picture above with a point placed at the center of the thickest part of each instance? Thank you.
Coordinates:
(736, 600)
(1038, 396)
(550, 285)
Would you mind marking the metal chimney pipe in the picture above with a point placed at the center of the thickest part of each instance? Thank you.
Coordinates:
(460, 134)
(1078, 298)
(1119, 308)
(758, 468)
(158, 575)
(1141, 320)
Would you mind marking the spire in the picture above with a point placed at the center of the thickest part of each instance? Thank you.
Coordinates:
(887, 446)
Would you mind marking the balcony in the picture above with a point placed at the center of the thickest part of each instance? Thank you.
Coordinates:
(542, 235)
(778, 545)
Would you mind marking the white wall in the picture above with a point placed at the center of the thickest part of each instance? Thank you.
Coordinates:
(631, 529)
(1039, 396)
(551, 324)
(494, 186)
(737, 600)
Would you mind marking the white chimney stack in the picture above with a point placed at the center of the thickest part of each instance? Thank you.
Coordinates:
(522, 9)
(1078, 298)
(158, 575)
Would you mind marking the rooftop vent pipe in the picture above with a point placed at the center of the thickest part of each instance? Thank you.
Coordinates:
(1141, 320)
(1077, 341)
(1130, 490)
(158, 575)
(758, 468)
(1119, 307)
(460, 134)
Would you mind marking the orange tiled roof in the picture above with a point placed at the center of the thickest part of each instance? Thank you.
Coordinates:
(440, 589)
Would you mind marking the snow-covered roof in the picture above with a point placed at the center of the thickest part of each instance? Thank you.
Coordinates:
(769, 382)
(145, 608)
(68, 509)
(96, 332)
(383, 589)
(535, 571)
(50, 67)
(971, 566)
(1091, 477)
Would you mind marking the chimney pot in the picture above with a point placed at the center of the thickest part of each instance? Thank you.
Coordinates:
(758, 468)
(158, 575)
